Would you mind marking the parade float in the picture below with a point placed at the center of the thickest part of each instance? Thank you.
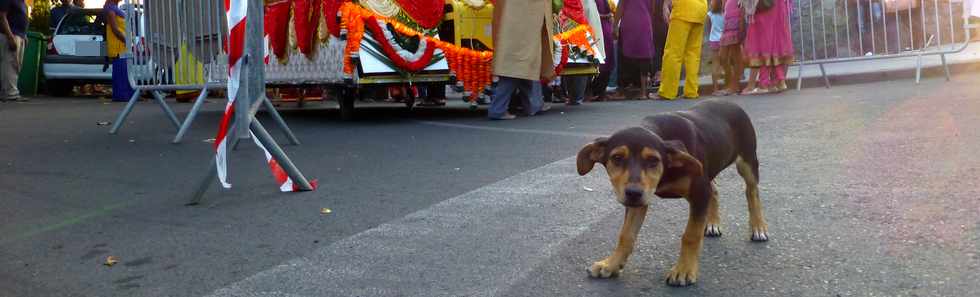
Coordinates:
(404, 48)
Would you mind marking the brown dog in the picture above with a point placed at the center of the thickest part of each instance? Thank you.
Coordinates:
(674, 155)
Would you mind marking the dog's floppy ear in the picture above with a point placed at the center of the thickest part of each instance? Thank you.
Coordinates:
(679, 158)
(590, 154)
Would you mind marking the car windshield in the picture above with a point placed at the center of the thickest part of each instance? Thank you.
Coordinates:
(82, 23)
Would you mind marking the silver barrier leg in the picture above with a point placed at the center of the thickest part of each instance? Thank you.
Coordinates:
(253, 88)
(799, 78)
(166, 109)
(279, 121)
(125, 112)
(826, 80)
(945, 66)
(918, 68)
(263, 136)
(191, 115)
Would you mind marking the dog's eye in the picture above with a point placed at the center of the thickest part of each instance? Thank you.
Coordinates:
(651, 162)
(617, 158)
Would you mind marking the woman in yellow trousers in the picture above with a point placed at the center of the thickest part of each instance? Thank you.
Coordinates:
(684, 35)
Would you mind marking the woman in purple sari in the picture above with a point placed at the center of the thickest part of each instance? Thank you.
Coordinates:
(633, 28)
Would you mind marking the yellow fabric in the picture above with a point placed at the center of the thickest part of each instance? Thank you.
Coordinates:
(115, 46)
(472, 23)
(683, 45)
(188, 69)
(694, 11)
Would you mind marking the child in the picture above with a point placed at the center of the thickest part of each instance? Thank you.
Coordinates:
(716, 21)
(730, 54)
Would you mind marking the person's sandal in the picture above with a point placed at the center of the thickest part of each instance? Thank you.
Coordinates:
(755, 91)
(721, 93)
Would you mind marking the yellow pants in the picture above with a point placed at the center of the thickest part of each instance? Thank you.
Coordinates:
(683, 45)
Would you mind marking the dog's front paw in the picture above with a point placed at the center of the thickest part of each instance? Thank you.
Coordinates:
(605, 269)
(682, 275)
(760, 233)
(712, 230)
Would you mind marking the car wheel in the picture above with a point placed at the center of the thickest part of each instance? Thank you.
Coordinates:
(60, 88)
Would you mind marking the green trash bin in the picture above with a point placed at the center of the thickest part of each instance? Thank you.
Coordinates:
(30, 70)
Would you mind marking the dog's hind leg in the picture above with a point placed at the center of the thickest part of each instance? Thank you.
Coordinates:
(613, 265)
(713, 228)
(748, 168)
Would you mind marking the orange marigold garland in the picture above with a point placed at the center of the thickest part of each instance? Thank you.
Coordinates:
(577, 37)
(472, 67)
(352, 20)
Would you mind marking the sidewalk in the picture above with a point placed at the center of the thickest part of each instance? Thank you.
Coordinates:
(878, 70)
(845, 73)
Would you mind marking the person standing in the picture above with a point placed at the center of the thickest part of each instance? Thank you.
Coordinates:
(576, 86)
(731, 47)
(659, 41)
(522, 54)
(597, 89)
(633, 29)
(116, 45)
(13, 25)
(685, 33)
(58, 13)
(768, 46)
(716, 23)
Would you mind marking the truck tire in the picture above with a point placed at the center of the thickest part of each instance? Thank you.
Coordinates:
(346, 102)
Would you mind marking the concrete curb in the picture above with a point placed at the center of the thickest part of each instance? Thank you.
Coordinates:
(899, 74)
(849, 73)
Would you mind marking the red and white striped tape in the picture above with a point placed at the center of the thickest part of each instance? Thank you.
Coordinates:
(236, 11)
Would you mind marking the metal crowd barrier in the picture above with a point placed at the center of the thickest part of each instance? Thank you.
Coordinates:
(839, 31)
(178, 46)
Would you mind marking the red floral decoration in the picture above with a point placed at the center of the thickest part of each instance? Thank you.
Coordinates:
(472, 67)
(306, 20)
(564, 60)
(277, 27)
(392, 53)
(330, 9)
(573, 9)
(427, 13)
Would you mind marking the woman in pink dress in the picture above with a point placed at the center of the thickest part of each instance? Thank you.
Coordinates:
(768, 46)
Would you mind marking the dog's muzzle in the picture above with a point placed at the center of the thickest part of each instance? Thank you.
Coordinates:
(633, 196)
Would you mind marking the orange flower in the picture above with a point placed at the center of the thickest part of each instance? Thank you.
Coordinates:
(472, 68)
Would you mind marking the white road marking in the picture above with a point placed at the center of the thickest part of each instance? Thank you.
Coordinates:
(471, 245)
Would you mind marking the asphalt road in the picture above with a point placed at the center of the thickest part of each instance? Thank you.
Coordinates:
(869, 190)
